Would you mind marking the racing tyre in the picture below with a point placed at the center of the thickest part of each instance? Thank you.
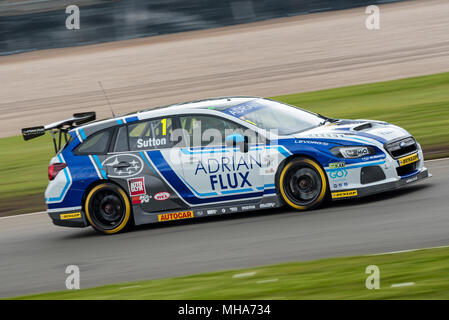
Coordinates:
(302, 184)
(107, 208)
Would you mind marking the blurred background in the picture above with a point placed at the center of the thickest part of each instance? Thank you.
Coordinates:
(27, 25)
(316, 54)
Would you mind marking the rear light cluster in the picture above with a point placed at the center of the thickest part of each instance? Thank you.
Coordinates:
(54, 169)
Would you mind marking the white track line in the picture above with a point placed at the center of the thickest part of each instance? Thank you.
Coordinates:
(22, 215)
(405, 284)
(130, 287)
(26, 214)
(267, 281)
(243, 275)
(402, 251)
(439, 159)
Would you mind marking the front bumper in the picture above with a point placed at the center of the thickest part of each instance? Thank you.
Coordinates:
(378, 188)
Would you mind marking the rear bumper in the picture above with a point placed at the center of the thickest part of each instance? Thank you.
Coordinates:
(366, 191)
(74, 219)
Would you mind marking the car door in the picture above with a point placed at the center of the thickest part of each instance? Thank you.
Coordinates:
(130, 164)
(213, 172)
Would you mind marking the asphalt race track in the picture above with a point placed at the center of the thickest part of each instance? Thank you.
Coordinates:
(34, 253)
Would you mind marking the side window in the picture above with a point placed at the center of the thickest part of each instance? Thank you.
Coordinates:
(207, 130)
(97, 143)
(151, 134)
(121, 140)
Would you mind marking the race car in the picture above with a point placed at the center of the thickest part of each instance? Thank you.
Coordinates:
(214, 157)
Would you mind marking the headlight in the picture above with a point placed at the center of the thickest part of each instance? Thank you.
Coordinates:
(352, 152)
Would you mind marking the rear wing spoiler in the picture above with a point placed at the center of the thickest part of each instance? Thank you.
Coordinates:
(62, 127)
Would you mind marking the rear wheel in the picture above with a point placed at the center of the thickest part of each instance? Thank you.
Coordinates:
(302, 184)
(107, 208)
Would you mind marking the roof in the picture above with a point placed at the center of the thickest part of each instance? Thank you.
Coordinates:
(210, 103)
(217, 104)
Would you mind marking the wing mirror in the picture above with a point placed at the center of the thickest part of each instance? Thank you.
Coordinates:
(236, 139)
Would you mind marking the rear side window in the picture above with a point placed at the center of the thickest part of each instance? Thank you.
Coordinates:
(97, 143)
(121, 141)
(152, 134)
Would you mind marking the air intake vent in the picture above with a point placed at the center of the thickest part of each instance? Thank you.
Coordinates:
(363, 127)
(371, 174)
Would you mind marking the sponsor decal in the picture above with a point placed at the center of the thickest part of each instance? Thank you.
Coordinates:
(336, 165)
(322, 143)
(199, 213)
(175, 216)
(136, 186)
(160, 196)
(411, 179)
(385, 133)
(269, 164)
(141, 199)
(212, 211)
(250, 207)
(407, 160)
(132, 165)
(338, 174)
(340, 185)
(233, 209)
(378, 156)
(228, 172)
(344, 194)
(267, 205)
(151, 143)
(242, 109)
(66, 216)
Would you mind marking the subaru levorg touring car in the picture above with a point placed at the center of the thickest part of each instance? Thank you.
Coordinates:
(217, 156)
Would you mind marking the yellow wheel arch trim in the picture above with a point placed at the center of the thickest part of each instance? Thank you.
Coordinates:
(127, 209)
(323, 183)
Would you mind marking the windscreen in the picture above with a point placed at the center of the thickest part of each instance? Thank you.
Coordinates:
(272, 115)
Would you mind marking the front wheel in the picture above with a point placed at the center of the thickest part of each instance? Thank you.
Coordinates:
(107, 208)
(302, 184)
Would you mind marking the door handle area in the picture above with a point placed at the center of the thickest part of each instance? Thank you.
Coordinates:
(122, 165)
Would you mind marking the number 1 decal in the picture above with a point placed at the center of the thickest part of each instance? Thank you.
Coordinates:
(164, 127)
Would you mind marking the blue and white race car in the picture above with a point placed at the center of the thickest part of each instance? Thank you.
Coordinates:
(217, 156)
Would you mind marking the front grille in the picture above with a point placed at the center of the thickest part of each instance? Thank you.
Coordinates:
(371, 174)
(407, 169)
(401, 147)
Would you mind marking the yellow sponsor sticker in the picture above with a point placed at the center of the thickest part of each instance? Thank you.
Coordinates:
(344, 194)
(73, 215)
(175, 216)
(408, 159)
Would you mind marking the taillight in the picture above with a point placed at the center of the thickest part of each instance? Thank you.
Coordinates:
(54, 169)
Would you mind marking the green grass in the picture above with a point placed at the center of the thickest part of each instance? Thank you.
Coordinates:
(420, 105)
(23, 173)
(337, 278)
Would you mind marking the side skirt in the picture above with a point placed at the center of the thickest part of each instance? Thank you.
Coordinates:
(141, 217)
